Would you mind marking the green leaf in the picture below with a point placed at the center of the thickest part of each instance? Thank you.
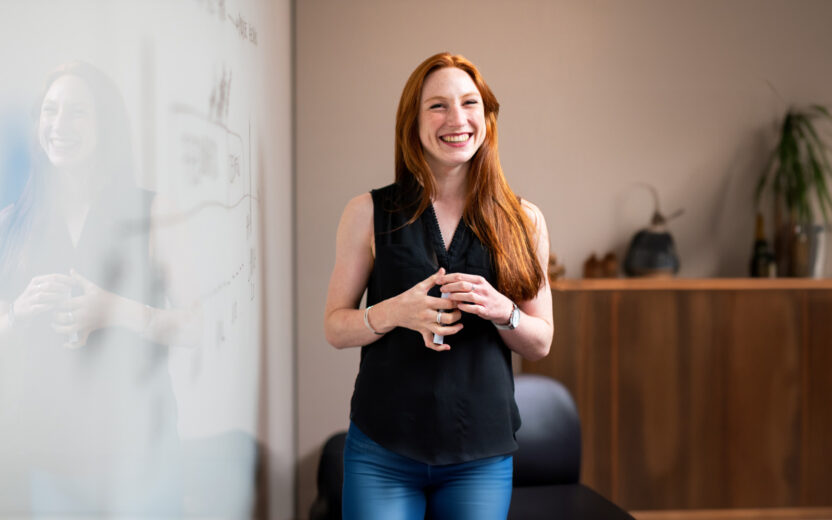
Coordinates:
(763, 180)
(823, 110)
(820, 169)
(797, 196)
(786, 173)
(816, 148)
(821, 188)
(814, 137)
(798, 168)
(809, 126)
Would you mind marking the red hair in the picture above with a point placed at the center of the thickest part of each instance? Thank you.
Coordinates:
(492, 211)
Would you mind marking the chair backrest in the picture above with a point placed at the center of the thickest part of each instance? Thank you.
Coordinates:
(550, 434)
(327, 505)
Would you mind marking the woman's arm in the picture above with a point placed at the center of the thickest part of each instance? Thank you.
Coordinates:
(413, 309)
(97, 308)
(181, 322)
(533, 335)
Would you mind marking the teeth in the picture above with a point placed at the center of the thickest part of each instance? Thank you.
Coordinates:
(455, 138)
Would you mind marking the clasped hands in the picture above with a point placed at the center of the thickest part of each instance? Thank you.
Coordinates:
(430, 315)
(73, 317)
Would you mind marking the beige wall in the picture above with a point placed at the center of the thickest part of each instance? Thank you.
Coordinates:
(596, 96)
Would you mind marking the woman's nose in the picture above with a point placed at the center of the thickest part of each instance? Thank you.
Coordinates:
(456, 115)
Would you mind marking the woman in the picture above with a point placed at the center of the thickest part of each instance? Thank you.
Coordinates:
(80, 300)
(453, 264)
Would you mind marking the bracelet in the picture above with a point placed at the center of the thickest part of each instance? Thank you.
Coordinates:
(367, 321)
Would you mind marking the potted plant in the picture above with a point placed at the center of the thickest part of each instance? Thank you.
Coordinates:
(797, 172)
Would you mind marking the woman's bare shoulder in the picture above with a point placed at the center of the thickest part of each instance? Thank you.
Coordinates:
(534, 213)
(360, 205)
(356, 225)
(358, 213)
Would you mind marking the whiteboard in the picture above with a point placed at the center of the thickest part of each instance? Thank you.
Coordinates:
(192, 74)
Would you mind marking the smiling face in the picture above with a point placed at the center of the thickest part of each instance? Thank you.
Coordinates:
(451, 119)
(67, 128)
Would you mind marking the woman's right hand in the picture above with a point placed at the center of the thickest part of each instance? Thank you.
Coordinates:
(415, 310)
(43, 294)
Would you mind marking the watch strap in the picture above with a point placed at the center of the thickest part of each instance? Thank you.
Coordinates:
(513, 319)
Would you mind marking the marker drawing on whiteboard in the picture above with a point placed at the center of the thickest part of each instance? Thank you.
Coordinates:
(437, 339)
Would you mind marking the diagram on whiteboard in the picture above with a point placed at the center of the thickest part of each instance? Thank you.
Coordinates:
(206, 161)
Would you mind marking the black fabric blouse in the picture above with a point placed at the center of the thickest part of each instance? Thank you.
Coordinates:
(435, 407)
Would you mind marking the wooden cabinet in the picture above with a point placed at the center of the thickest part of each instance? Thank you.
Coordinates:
(699, 394)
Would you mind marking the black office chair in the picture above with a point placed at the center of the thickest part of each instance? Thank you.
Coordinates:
(327, 505)
(550, 435)
(546, 466)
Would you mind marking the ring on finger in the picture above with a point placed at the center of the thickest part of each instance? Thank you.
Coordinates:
(438, 316)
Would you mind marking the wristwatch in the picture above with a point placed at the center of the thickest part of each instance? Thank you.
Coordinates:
(513, 320)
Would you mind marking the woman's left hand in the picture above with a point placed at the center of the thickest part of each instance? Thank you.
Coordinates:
(475, 295)
(82, 315)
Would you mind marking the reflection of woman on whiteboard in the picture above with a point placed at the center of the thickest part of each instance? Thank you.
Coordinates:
(433, 413)
(82, 301)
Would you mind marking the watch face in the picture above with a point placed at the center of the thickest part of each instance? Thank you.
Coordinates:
(515, 317)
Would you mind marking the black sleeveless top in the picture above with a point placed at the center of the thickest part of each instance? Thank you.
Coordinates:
(434, 407)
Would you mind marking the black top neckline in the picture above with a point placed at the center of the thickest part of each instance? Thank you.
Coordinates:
(444, 252)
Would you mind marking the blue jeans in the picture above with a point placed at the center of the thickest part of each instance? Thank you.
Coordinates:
(382, 485)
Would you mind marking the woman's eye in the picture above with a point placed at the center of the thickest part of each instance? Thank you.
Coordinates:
(436, 105)
(471, 102)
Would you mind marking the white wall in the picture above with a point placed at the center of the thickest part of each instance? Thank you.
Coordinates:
(596, 96)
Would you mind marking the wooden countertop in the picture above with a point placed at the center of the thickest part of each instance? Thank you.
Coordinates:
(799, 513)
(690, 284)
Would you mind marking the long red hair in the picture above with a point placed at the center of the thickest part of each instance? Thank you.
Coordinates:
(492, 210)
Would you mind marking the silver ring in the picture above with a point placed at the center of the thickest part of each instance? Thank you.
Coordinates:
(439, 317)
